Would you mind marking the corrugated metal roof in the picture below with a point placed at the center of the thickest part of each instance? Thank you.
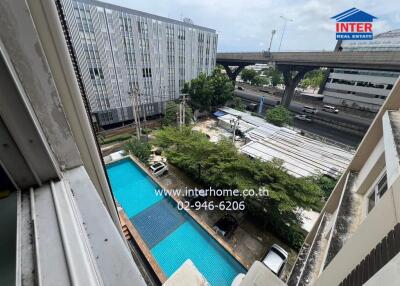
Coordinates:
(302, 156)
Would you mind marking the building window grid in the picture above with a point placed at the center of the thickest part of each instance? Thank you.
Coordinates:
(87, 36)
(205, 57)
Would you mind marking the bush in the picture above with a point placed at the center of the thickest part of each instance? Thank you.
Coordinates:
(141, 150)
(113, 139)
(238, 104)
(279, 116)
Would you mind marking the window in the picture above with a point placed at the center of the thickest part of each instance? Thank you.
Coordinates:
(377, 192)
(96, 73)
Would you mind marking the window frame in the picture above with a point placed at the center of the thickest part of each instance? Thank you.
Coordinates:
(376, 191)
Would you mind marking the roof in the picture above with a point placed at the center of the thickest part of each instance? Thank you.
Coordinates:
(301, 156)
(273, 261)
(354, 15)
(219, 113)
(144, 14)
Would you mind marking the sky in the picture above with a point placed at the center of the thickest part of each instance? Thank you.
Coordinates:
(246, 25)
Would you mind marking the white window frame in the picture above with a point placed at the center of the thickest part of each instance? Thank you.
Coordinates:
(374, 189)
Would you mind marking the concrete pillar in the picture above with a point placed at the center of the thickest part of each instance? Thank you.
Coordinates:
(232, 74)
(291, 80)
(338, 48)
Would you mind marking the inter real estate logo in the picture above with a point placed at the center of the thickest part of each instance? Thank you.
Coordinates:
(354, 24)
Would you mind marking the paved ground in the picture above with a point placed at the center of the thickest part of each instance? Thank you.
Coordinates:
(215, 133)
(249, 241)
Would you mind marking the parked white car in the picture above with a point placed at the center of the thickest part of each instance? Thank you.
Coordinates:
(309, 109)
(158, 169)
(303, 117)
(329, 108)
(276, 259)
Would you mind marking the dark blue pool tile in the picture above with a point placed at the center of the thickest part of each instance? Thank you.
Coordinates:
(157, 222)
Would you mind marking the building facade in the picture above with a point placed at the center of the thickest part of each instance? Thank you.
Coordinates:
(122, 51)
(355, 241)
(363, 89)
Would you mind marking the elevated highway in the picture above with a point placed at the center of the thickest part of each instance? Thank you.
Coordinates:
(294, 65)
(381, 60)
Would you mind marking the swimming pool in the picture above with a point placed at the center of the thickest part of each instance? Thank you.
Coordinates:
(171, 235)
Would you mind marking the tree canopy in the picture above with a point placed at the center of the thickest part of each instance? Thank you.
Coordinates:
(238, 104)
(220, 165)
(259, 80)
(141, 150)
(248, 75)
(274, 75)
(312, 79)
(208, 91)
(171, 112)
(279, 116)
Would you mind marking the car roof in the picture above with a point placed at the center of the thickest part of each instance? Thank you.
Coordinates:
(280, 249)
(273, 261)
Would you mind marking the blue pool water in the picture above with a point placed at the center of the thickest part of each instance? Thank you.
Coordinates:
(172, 235)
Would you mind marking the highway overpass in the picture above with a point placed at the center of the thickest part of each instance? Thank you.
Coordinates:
(302, 62)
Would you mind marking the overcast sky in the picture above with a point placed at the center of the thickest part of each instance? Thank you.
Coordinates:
(246, 25)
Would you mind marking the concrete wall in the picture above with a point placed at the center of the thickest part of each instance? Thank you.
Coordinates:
(373, 228)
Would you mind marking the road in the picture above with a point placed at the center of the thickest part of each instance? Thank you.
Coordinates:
(314, 127)
(298, 108)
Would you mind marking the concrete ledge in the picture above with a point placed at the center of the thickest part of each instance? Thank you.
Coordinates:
(187, 274)
(259, 274)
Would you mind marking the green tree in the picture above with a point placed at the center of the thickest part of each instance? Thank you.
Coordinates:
(200, 92)
(327, 184)
(171, 112)
(313, 79)
(208, 91)
(220, 165)
(141, 150)
(259, 80)
(222, 87)
(274, 75)
(279, 116)
(248, 75)
(238, 104)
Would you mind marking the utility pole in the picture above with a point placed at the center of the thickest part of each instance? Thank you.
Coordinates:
(234, 124)
(285, 20)
(135, 111)
(182, 111)
(270, 42)
(143, 107)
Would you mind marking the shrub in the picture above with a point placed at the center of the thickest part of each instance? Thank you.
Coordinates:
(279, 116)
(141, 150)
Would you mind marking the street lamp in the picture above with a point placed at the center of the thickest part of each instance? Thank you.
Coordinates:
(273, 32)
(285, 20)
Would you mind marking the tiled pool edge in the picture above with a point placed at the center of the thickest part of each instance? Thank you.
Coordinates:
(195, 217)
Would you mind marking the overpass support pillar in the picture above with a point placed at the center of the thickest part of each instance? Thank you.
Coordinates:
(291, 77)
(233, 73)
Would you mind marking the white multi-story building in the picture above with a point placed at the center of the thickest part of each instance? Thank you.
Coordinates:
(122, 51)
(363, 89)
